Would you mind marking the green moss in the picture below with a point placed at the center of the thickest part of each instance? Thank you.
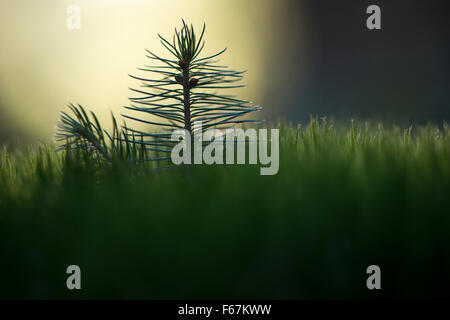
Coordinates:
(343, 199)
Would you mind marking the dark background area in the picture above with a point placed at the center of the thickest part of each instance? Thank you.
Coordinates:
(399, 73)
(6, 129)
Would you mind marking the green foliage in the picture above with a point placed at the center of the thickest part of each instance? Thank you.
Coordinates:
(344, 198)
(86, 134)
(181, 93)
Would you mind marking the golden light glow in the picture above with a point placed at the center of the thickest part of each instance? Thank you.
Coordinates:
(44, 65)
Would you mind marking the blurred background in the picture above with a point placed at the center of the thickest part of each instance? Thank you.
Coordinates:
(303, 57)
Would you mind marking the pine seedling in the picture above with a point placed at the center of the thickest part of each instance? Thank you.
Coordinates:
(183, 91)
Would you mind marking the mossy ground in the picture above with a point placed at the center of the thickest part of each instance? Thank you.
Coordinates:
(344, 198)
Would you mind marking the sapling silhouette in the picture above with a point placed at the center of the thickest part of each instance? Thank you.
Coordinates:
(184, 94)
